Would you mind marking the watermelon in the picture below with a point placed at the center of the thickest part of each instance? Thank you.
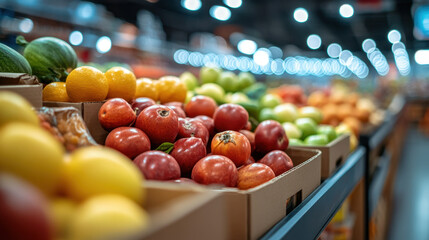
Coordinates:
(13, 62)
(50, 58)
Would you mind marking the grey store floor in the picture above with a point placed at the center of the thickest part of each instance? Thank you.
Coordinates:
(410, 209)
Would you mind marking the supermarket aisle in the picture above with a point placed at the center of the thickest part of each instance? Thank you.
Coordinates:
(411, 194)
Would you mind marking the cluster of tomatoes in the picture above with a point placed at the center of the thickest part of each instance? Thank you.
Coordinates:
(196, 142)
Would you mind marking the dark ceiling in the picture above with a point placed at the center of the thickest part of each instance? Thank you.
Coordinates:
(272, 21)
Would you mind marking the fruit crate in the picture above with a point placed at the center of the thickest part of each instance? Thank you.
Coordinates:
(89, 113)
(182, 211)
(250, 213)
(31, 92)
(333, 155)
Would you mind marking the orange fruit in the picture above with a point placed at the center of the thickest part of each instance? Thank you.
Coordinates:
(146, 88)
(171, 89)
(86, 84)
(55, 91)
(122, 83)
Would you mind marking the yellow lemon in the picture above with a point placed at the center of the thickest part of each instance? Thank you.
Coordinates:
(98, 170)
(122, 83)
(31, 153)
(15, 108)
(108, 217)
(146, 88)
(62, 213)
(55, 91)
(86, 84)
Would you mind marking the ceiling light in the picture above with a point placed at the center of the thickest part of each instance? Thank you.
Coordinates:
(346, 11)
(220, 13)
(262, 57)
(334, 50)
(233, 3)
(104, 44)
(368, 45)
(247, 46)
(26, 25)
(76, 38)
(394, 36)
(300, 15)
(314, 41)
(191, 5)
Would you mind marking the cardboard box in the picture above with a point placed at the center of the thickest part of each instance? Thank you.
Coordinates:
(333, 154)
(183, 212)
(251, 213)
(89, 113)
(33, 93)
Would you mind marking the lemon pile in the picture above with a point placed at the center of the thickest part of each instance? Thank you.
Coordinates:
(86, 84)
(101, 189)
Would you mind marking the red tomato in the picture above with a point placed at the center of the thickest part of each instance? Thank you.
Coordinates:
(253, 175)
(200, 105)
(230, 117)
(233, 145)
(215, 169)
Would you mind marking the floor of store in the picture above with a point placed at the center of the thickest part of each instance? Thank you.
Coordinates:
(410, 216)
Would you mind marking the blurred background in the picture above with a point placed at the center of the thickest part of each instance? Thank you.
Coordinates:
(373, 42)
(376, 47)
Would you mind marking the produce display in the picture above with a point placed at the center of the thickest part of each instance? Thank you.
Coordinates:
(221, 129)
(209, 148)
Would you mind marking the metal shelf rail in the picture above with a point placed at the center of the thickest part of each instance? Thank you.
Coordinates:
(312, 216)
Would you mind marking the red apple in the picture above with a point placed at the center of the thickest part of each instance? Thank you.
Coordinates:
(215, 169)
(24, 211)
(141, 103)
(160, 123)
(116, 112)
(269, 136)
(129, 141)
(248, 126)
(187, 152)
(208, 123)
(157, 165)
(250, 136)
(233, 145)
(200, 105)
(253, 175)
(230, 117)
(278, 161)
(175, 104)
(179, 111)
(189, 127)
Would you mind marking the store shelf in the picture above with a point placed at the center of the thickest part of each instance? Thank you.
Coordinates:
(309, 219)
(378, 181)
(373, 137)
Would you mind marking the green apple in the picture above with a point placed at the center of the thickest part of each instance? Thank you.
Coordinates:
(343, 129)
(295, 142)
(291, 130)
(245, 79)
(317, 140)
(270, 100)
(189, 95)
(229, 81)
(236, 98)
(286, 112)
(307, 126)
(211, 90)
(190, 80)
(328, 131)
(267, 114)
(310, 112)
(209, 74)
